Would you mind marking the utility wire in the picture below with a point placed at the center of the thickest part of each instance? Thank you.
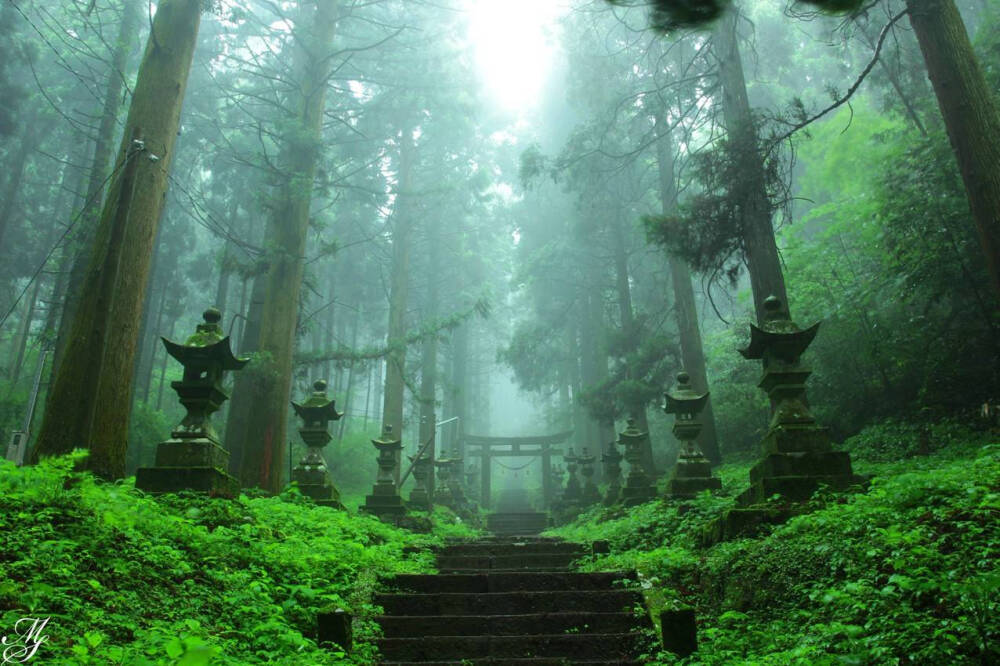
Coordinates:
(59, 241)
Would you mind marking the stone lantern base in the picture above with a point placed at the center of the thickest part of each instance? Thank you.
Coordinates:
(315, 484)
(197, 465)
(591, 495)
(635, 496)
(384, 502)
(797, 461)
(692, 476)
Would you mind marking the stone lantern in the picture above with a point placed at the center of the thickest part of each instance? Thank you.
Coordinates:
(572, 493)
(193, 458)
(590, 494)
(693, 472)
(612, 460)
(385, 500)
(556, 475)
(638, 487)
(423, 467)
(472, 476)
(798, 456)
(311, 474)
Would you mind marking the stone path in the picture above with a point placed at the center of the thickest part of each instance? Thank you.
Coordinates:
(510, 601)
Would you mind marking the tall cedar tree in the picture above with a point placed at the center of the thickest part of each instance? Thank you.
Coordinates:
(264, 434)
(90, 398)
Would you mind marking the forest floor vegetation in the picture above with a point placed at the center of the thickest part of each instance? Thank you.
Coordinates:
(905, 573)
(185, 580)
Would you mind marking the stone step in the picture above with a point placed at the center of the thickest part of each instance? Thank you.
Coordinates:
(517, 523)
(509, 582)
(508, 603)
(516, 547)
(408, 626)
(516, 561)
(567, 646)
(460, 570)
(531, 661)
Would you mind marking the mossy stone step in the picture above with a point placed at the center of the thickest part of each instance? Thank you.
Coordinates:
(403, 626)
(532, 661)
(516, 547)
(514, 561)
(508, 603)
(567, 646)
(509, 582)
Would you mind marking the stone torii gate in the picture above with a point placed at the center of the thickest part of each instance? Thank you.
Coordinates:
(516, 447)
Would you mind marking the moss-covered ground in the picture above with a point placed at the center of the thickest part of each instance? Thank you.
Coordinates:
(906, 573)
(187, 580)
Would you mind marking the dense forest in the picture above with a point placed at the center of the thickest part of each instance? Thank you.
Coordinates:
(484, 332)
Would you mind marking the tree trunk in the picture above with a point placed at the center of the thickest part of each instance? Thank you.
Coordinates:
(82, 240)
(395, 362)
(263, 461)
(692, 353)
(631, 332)
(245, 384)
(429, 361)
(971, 116)
(351, 375)
(763, 263)
(29, 139)
(23, 332)
(97, 368)
(460, 383)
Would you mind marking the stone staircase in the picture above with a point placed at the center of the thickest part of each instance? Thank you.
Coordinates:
(517, 523)
(509, 602)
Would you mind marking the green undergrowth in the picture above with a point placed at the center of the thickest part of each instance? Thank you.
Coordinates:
(185, 579)
(905, 573)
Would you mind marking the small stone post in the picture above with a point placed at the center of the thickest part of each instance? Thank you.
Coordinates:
(572, 494)
(590, 494)
(638, 487)
(420, 498)
(385, 500)
(693, 472)
(193, 457)
(311, 473)
(798, 453)
(472, 473)
(612, 460)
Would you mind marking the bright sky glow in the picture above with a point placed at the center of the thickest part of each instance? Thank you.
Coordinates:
(514, 46)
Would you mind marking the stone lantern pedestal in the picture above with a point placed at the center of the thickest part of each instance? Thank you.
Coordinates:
(385, 501)
(693, 472)
(311, 474)
(589, 494)
(638, 486)
(798, 455)
(193, 458)
(612, 460)
(420, 498)
(573, 492)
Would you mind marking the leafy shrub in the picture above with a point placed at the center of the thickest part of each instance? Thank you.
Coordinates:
(186, 579)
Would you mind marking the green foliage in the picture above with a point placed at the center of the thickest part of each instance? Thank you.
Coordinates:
(672, 15)
(904, 573)
(887, 258)
(185, 579)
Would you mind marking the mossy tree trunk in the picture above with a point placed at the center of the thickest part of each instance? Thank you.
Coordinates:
(83, 239)
(265, 444)
(90, 398)
(429, 356)
(395, 362)
(971, 116)
(692, 352)
(630, 329)
(757, 232)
